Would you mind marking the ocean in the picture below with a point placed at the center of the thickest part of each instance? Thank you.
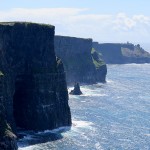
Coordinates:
(111, 116)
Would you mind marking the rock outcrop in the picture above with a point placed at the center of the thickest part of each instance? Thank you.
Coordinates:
(34, 84)
(7, 138)
(76, 90)
(8, 141)
(76, 56)
(101, 68)
(116, 53)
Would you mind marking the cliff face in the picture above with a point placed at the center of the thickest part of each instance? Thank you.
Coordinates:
(34, 82)
(135, 55)
(76, 55)
(122, 53)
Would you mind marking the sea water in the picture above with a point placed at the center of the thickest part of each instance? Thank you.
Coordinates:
(111, 116)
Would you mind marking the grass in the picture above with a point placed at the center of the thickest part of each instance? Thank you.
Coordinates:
(97, 60)
(1, 74)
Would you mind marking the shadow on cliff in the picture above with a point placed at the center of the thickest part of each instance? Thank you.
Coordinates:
(29, 138)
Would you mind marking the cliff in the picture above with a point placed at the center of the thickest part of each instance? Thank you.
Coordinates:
(78, 62)
(33, 86)
(114, 53)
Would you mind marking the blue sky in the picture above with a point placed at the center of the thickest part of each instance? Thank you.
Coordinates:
(102, 20)
(97, 6)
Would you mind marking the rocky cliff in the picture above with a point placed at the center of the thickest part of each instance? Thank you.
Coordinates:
(78, 62)
(34, 84)
(114, 53)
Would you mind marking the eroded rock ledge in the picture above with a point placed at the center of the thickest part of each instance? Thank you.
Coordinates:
(33, 84)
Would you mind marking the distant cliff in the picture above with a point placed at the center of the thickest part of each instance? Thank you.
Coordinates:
(78, 62)
(33, 90)
(114, 53)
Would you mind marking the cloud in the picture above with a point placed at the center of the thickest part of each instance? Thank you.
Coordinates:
(121, 21)
(38, 15)
(82, 23)
(142, 19)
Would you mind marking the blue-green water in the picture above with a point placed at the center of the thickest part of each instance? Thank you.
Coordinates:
(113, 116)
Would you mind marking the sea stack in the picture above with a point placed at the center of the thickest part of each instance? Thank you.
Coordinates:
(33, 82)
(76, 90)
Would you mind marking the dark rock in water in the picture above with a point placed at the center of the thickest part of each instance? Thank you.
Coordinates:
(33, 87)
(8, 141)
(77, 58)
(76, 90)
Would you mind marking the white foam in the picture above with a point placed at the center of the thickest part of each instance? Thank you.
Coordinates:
(27, 148)
(110, 81)
(135, 64)
(147, 135)
(81, 124)
(77, 129)
(27, 137)
(55, 130)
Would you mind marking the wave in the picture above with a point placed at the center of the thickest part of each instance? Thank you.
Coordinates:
(57, 130)
(130, 64)
(109, 81)
(82, 124)
(147, 135)
(76, 130)
(27, 148)
(35, 138)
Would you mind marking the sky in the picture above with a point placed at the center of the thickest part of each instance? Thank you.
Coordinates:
(116, 21)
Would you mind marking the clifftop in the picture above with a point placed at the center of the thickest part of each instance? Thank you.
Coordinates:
(25, 23)
(71, 37)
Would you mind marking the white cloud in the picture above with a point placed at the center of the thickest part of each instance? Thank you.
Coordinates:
(38, 15)
(123, 22)
(81, 23)
(142, 19)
